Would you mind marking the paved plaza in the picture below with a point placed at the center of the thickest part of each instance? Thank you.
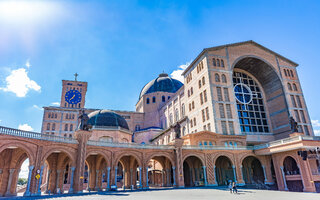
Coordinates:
(194, 194)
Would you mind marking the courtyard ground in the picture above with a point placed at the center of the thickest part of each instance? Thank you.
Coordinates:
(183, 194)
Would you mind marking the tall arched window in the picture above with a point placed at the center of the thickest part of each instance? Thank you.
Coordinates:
(163, 98)
(53, 126)
(48, 126)
(291, 72)
(218, 63)
(289, 87)
(153, 99)
(67, 116)
(294, 87)
(183, 111)
(217, 78)
(250, 104)
(170, 119)
(214, 62)
(66, 127)
(222, 63)
(49, 115)
(199, 83)
(148, 100)
(203, 81)
(176, 115)
(223, 78)
(55, 115)
(71, 127)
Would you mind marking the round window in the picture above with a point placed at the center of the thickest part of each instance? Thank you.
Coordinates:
(243, 93)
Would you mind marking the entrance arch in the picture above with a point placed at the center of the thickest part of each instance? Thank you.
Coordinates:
(252, 171)
(128, 173)
(291, 169)
(193, 172)
(160, 172)
(95, 174)
(224, 170)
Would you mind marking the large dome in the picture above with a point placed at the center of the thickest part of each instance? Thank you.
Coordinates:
(106, 118)
(161, 84)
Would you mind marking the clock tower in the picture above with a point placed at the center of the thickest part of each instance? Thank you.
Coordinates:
(73, 93)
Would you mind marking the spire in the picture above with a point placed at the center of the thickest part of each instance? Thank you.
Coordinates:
(75, 76)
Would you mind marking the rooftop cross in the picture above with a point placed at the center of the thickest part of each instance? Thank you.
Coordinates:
(75, 76)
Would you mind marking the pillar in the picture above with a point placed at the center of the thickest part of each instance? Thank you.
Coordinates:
(71, 180)
(174, 176)
(234, 173)
(27, 192)
(108, 178)
(48, 179)
(284, 178)
(88, 180)
(147, 177)
(124, 178)
(40, 180)
(96, 188)
(168, 177)
(131, 176)
(102, 175)
(306, 176)
(205, 175)
(115, 176)
(140, 178)
(215, 175)
(265, 175)
(162, 174)
(57, 182)
(8, 193)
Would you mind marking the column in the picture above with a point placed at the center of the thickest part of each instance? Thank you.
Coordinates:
(205, 175)
(27, 192)
(168, 178)
(71, 180)
(124, 179)
(174, 176)
(57, 181)
(147, 181)
(40, 180)
(162, 174)
(88, 180)
(264, 173)
(96, 188)
(103, 174)
(108, 179)
(8, 193)
(234, 173)
(131, 176)
(140, 178)
(48, 179)
(115, 176)
(284, 178)
(215, 175)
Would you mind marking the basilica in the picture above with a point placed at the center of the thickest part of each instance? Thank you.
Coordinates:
(239, 116)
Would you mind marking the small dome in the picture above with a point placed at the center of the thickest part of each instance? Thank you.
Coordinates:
(161, 84)
(106, 118)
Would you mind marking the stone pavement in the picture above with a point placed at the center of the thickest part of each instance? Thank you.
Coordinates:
(194, 194)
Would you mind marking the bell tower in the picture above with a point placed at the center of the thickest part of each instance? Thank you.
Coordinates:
(73, 93)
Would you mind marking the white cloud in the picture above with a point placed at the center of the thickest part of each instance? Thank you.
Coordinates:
(316, 126)
(315, 123)
(176, 74)
(55, 103)
(19, 83)
(316, 132)
(25, 127)
(28, 65)
(24, 169)
(37, 107)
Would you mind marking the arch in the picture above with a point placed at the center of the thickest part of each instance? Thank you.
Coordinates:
(193, 171)
(294, 86)
(290, 166)
(23, 146)
(99, 152)
(62, 149)
(224, 170)
(163, 154)
(201, 158)
(252, 170)
(289, 87)
(217, 77)
(131, 153)
(223, 78)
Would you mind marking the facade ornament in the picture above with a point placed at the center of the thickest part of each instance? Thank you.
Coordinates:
(177, 130)
(83, 121)
(293, 125)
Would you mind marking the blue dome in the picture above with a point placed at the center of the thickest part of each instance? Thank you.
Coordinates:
(106, 118)
(161, 84)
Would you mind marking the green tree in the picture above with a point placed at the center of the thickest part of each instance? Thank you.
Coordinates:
(22, 181)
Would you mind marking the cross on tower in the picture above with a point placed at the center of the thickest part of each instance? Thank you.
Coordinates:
(75, 76)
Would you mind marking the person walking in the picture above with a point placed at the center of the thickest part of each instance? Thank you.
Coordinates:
(230, 186)
(234, 187)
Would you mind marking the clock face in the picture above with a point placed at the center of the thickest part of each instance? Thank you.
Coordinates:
(73, 97)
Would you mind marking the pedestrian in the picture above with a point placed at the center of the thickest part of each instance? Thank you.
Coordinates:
(230, 186)
(234, 187)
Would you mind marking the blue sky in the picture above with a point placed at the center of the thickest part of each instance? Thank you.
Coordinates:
(118, 46)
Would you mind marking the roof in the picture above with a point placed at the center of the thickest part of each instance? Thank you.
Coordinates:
(236, 44)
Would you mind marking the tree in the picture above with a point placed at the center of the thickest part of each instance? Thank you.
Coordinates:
(22, 181)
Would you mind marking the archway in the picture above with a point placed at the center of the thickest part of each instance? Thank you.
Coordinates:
(160, 172)
(193, 172)
(291, 169)
(128, 173)
(252, 171)
(96, 173)
(57, 172)
(11, 160)
(224, 171)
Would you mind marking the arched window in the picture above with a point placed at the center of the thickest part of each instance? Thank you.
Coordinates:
(71, 127)
(137, 128)
(148, 100)
(73, 116)
(67, 116)
(70, 135)
(289, 87)
(66, 127)
(53, 126)
(168, 97)
(79, 105)
(217, 78)
(214, 62)
(176, 115)
(218, 63)
(223, 78)
(184, 131)
(294, 87)
(285, 72)
(170, 118)
(199, 83)
(291, 72)
(55, 115)
(183, 110)
(163, 98)
(48, 126)
(153, 99)
(65, 135)
(222, 63)
(188, 93)
(203, 81)
(191, 90)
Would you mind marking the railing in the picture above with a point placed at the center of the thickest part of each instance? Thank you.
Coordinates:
(34, 135)
(111, 128)
(214, 147)
(129, 145)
